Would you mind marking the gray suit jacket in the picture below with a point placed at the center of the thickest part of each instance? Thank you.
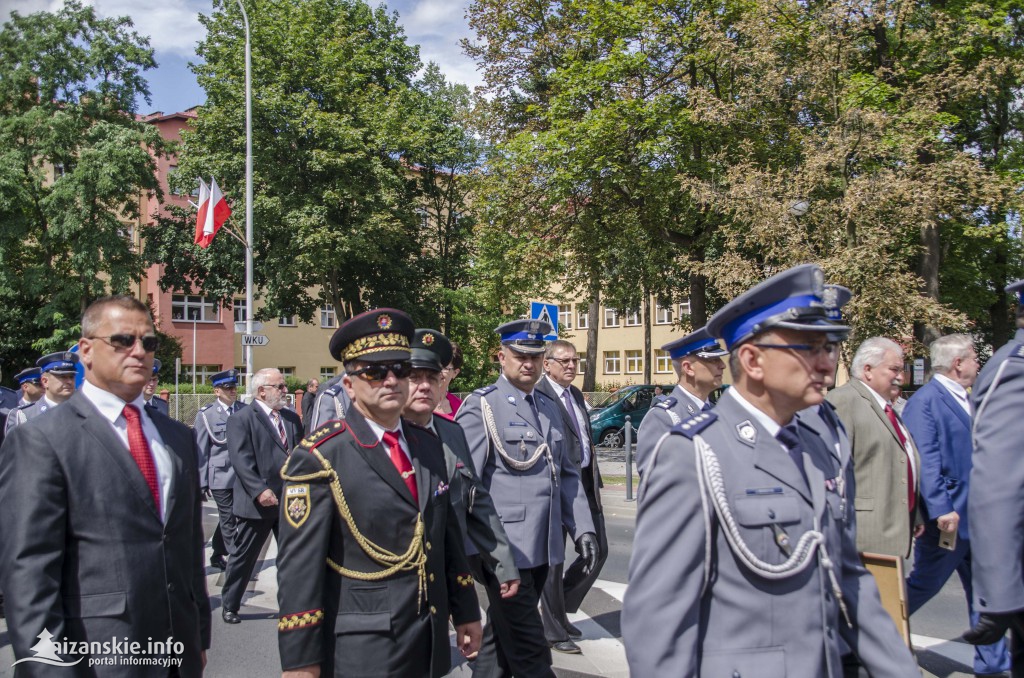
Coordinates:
(158, 403)
(211, 431)
(743, 624)
(996, 512)
(83, 553)
(473, 505)
(884, 522)
(257, 455)
(536, 503)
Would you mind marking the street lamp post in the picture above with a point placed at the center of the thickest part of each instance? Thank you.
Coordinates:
(247, 350)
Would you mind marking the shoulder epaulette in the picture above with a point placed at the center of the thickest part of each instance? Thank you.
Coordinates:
(333, 390)
(205, 407)
(25, 406)
(1018, 351)
(325, 432)
(485, 390)
(695, 425)
(668, 403)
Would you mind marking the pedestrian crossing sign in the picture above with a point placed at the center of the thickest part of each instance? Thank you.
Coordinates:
(547, 312)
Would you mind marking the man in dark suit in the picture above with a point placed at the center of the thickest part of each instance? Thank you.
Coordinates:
(938, 416)
(259, 439)
(308, 400)
(102, 535)
(149, 392)
(371, 564)
(562, 595)
(886, 464)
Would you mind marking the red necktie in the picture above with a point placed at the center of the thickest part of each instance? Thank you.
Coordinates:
(401, 463)
(910, 467)
(139, 448)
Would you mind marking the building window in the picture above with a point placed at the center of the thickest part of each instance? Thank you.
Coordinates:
(424, 218)
(194, 308)
(633, 318)
(565, 317)
(328, 318)
(286, 321)
(663, 316)
(328, 373)
(171, 171)
(663, 364)
(684, 307)
(239, 307)
(612, 363)
(582, 316)
(286, 371)
(582, 369)
(203, 373)
(611, 317)
(634, 362)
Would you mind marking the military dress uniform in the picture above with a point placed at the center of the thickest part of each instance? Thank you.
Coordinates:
(368, 575)
(63, 362)
(744, 561)
(216, 474)
(28, 374)
(519, 453)
(679, 405)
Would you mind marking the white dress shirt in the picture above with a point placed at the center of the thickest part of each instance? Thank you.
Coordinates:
(696, 401)
(379, 431)
(582, 422)
(958, 392)
(112, 409)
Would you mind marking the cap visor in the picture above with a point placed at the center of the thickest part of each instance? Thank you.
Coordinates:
(526, 350)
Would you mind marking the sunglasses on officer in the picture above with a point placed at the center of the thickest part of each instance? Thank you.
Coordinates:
(379, 371)
(125, 342)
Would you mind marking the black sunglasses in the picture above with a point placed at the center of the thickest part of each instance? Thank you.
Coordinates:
(379, 371)
(150, 342)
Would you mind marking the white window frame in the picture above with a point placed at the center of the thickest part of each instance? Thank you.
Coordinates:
(204, 373)
(582, 316)
(328, 372)
(662, 362)
(633, 318)
(612, 362)
(238, 310)
(565, 317)
(189, 302)
(328, 317)
(614, 314)
(287, 321)
(684, 308)
(286, 371)
(663, 315)
(634, 361)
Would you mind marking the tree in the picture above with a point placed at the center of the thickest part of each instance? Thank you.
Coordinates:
(74, 163)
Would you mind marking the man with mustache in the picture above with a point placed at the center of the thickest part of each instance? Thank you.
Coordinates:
(886, 462)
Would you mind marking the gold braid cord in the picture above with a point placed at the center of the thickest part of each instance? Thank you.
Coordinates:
(415, 558)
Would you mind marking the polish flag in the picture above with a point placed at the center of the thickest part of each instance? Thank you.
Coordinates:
(217, 213)
(204, 199)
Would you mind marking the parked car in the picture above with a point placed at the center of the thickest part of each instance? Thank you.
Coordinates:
(608, 420)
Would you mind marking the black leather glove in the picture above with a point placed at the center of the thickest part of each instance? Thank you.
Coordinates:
(992, 627)
(587, 547)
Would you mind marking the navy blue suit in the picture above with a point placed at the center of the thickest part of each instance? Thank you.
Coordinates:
(941, 428)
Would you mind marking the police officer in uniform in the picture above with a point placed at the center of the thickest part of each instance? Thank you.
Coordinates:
(57, 375)
(996, 503)
(31, 385)
(216, 475)
(743, 563)
(371, 563)
(520, 454)
(332, 402)
(697, 360)
(153, 401)
(478, 519)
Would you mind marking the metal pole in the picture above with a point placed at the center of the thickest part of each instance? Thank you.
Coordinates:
(194, 325)
(247, 350)
(628, 428)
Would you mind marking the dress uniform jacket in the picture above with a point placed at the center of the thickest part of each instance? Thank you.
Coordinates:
(84, 553)
(884, 522)
(533, 504)
(996, 506)
(826, 423)
(24, 413)
(374, 626)
(474, 508)
(740, 623)
(211, 431)
(257, 455)
(659, 420)
(9, 401)
(332, 402)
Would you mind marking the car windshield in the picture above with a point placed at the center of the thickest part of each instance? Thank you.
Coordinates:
(617, 397)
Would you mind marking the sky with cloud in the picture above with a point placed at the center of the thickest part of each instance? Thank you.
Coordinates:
(174, 29)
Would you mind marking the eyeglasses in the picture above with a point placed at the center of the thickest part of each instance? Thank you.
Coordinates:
(830, 349)
(280, 387)
(566, 362)
(150, 342)
(379, 371)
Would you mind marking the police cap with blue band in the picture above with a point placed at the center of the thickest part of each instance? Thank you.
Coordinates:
(836, 296)
(525, 336)
(791, 300)
(59, 363)
(156, 366)
(431, 350)
(700, 344)
(30, 374)
(225, 378)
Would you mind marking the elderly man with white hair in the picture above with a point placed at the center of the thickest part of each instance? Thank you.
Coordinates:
(939, 419)
(886, 463)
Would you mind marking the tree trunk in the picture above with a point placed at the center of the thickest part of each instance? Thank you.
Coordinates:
(646, 318)
(593, 317)
(929, 272)
(698, 300)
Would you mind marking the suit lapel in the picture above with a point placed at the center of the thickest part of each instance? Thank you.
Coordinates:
(422, 476)
(264, 419)
(866, 394)
(950, 401)
(176, 448)
(375, 454)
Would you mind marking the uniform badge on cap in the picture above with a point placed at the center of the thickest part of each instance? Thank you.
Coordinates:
(819, 282)
(384, 321)
(428, 339)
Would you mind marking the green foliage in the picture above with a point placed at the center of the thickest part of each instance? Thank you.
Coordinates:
(74, 163)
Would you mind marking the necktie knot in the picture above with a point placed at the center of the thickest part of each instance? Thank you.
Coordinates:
(788, 436)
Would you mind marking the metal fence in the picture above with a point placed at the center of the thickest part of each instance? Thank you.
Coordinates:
(185, 406)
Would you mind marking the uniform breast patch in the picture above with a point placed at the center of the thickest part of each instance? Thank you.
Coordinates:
(296, 504)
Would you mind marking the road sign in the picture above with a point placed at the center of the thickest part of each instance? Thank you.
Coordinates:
(255, 340)
(549, 312)
(257, 326)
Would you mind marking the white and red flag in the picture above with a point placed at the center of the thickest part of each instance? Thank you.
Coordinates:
(217, 212)
(204, 200)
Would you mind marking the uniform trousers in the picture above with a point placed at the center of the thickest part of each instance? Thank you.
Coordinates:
(933, 566)
(513, 643)
(250, 536)
(224, 534)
